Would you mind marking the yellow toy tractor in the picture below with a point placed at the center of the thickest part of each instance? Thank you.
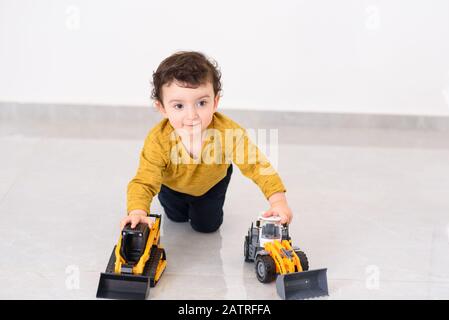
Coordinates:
(268, 244)
(136, 263)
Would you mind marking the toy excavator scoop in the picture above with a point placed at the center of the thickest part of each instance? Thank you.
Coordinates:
(302, 285)
(268, 244)
(136, 263)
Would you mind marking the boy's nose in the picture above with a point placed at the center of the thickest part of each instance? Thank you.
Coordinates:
(191, 113)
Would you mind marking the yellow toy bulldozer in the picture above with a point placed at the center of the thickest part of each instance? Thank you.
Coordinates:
(268, 244)
(136, 263)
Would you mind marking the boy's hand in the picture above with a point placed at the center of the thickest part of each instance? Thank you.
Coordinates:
(135, 217)
(280, 209)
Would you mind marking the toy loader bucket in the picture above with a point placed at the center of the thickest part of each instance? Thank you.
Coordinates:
(302, 285)
(122, 286)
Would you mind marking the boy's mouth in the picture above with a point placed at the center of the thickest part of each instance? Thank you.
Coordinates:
(192, 125)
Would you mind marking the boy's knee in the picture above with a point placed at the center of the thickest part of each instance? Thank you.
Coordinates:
(174, 217)
(205, 228)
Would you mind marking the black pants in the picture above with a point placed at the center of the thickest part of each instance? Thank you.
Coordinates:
(205, 212)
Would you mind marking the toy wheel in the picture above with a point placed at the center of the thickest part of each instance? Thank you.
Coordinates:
(246, 250)
(303, 260)
(265, 269)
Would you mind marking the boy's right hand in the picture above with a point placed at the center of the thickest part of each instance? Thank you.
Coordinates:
(135, 217)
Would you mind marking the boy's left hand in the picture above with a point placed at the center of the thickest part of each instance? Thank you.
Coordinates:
(280, 209)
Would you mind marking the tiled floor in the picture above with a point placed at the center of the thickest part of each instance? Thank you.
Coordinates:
(372, 206)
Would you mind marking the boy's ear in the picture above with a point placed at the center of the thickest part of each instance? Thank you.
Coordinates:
(216, 99)
(161, 108)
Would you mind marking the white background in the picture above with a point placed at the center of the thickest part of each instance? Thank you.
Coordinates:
(322, 55)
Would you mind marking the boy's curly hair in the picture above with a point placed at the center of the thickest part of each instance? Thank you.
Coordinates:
(190, 68)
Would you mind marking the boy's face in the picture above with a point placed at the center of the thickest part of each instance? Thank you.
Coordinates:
(188, 109)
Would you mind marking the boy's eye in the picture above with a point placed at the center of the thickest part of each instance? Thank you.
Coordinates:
(180, 106)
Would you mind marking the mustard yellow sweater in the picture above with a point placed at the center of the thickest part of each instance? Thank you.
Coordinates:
(165, 160)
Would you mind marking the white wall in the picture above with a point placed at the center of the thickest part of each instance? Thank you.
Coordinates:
(387, 56)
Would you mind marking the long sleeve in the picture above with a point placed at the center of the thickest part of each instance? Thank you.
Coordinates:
(254, 165)
(147, 182)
